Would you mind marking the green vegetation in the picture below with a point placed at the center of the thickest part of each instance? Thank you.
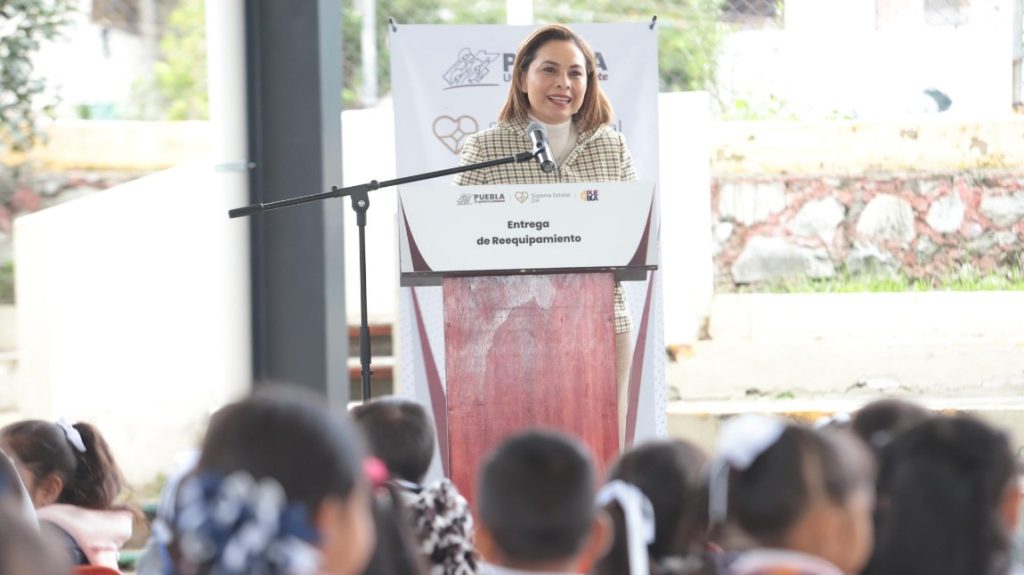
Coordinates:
(689, 32)
(968, 279)
(24, 95)
(404, 12)
(7, 283)
(26, 99)
(180, 74)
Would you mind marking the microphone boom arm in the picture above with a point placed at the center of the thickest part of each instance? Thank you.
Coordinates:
(372, 185)
(360, 204)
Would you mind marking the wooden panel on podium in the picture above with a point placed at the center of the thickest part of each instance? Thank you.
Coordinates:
(523, 351)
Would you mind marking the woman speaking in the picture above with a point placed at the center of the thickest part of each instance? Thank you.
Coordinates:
(555, 84)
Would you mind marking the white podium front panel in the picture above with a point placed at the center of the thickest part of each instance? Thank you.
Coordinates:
(489, 230)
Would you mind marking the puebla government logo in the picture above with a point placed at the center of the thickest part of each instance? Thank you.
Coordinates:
(470, 199)
(471, 68)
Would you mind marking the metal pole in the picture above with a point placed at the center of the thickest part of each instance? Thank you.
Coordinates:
(368, 39)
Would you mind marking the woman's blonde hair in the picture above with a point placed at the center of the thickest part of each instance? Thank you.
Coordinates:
(596, 109)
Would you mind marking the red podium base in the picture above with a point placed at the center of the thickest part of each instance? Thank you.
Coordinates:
(527, 351)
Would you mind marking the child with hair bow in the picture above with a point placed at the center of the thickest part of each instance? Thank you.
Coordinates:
(74, 483)
(791, 500)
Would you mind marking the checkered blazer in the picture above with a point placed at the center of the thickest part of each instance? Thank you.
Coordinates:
(600, 155)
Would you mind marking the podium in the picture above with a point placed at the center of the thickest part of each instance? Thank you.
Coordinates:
(528, 273)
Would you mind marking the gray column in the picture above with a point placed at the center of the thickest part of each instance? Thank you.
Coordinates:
(294, 79)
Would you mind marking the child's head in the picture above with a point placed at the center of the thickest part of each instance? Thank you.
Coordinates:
(278, 465)
(535, 497)
(800, 489)
(948, 498)
(672, 474)
(880, 421)
(400, 433)
(63, 463)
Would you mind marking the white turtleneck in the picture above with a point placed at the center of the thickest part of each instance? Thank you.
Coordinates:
(561, 138)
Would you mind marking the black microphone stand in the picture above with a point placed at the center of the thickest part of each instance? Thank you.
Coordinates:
(360, 203)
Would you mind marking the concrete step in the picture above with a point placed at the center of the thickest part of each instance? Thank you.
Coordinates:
(912, 316)
(808, 355)
(736, 369)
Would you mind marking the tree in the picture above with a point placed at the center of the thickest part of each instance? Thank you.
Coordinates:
(404, 12)
(24, 100)
(180, 73)
(690, 31)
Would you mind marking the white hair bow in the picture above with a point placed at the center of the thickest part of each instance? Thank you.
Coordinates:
(639, 515)
(741, 441)
(74, 437)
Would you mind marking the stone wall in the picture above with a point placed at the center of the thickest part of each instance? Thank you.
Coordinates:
(922, 225)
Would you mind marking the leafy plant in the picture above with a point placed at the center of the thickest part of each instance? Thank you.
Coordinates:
(774, 108)
(24, 99)
(180, 74)
(7, 283)
(689, 32)
(690, 39)
(416, 12)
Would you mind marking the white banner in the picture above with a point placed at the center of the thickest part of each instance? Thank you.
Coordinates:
(451, 81)
(526, 228)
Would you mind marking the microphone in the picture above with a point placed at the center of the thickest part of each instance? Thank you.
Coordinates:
(539, 136)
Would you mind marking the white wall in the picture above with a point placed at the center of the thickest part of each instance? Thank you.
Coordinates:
(133, 312)
(836, 59)
(368, 153)
(685, 146)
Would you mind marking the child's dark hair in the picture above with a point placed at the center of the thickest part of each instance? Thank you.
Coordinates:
(400, 433)
(91, 477)
(673, 476)
(397, 551)
(283, 433)
(535, 496)
(801, 467)
(283, 437)
(940, 488)
(881, 421)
